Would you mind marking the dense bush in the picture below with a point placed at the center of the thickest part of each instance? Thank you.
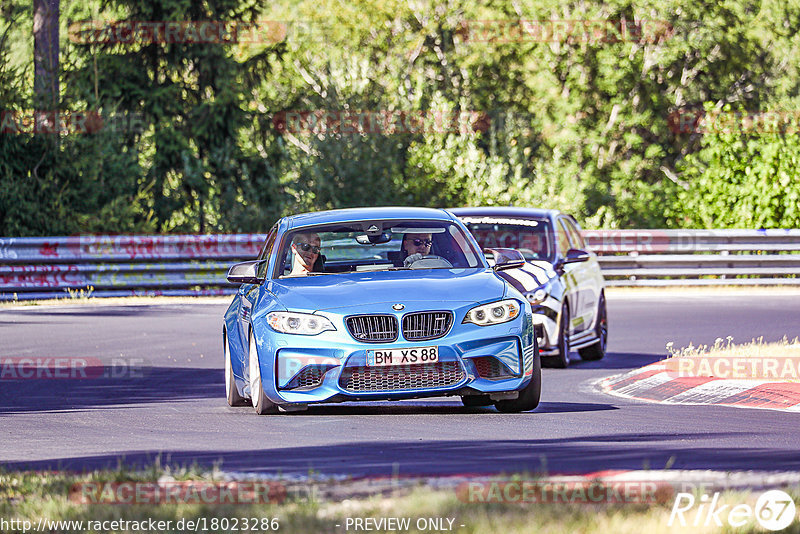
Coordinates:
(582, 119)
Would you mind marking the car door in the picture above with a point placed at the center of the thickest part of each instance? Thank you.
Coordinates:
(248, 293)
(568, 275)
(592, 284)
(582, 278)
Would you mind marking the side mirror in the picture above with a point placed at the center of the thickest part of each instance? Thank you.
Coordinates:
(506, 258)
(574, 255)
(244, 273)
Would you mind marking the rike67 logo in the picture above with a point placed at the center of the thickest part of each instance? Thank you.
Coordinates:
(774, 510)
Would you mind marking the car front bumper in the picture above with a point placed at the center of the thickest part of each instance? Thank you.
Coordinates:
(332, 367)
(545, 324)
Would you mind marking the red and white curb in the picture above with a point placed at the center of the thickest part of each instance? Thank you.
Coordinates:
(654, 383)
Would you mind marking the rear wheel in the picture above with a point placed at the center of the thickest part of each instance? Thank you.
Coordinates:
(561, 360)
(231, 391)
(598, 350)
(529, 397)
(261, 403)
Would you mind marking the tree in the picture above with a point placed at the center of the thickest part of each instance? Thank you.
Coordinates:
(45, 54)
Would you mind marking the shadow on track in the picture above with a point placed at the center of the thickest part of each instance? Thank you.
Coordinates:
(433, 406)
(615, 360)
(572, 407)
(582, 454)
(146, 385)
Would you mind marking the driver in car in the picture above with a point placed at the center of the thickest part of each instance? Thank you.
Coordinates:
(306, 248)
(415, 247)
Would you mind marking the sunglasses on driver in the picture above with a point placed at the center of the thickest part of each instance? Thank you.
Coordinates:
(305, 247)
(419, 242)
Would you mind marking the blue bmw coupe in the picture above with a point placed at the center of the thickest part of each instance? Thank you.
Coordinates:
(378, 304)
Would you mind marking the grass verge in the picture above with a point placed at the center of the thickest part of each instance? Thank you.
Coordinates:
(723, 348)
(334, 507)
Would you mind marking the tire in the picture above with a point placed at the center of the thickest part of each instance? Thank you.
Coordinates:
(261, 403)
(529, 397)
(561, 360)
(231, 391)
(474, 401)
(598, 350)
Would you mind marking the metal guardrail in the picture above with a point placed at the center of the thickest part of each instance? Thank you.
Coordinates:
(101, 266)
(122, 265)
(697, 257)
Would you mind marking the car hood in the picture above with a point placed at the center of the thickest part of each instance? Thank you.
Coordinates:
(530, 276)
(447, 288)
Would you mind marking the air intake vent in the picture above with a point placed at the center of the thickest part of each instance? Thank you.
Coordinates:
(422, 326)
(373, 328)
(491, 368)
(309, 378)
(401, 377)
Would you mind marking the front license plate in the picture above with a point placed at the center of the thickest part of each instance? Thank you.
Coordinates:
(401, 356)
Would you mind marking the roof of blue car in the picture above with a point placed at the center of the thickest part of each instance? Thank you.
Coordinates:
(504, 211)
(366, 214)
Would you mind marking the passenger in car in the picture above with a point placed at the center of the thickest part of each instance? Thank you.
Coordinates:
(307, 257)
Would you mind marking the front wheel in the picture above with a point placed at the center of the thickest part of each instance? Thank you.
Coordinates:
(598, 350)
(529, 397)
(231, 391)
(261, 403)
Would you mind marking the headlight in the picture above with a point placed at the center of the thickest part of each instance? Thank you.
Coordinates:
(305, 324)
(536, 297)
(495, 313)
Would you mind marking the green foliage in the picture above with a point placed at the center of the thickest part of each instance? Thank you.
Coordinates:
(739, 179)
(567, 119)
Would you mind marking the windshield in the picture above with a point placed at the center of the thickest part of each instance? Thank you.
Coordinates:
(530, 236)
(376, 246)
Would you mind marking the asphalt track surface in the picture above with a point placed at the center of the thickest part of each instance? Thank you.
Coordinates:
(177, 412)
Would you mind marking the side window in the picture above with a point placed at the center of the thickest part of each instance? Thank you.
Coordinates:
(574, 234)
(464, 245)
(263, 257)
(562, 237)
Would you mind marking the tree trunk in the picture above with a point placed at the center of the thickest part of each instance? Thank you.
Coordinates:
(45, 54)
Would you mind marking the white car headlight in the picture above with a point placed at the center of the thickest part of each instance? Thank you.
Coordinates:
(498, 312)
(305, 324)
(536, 297)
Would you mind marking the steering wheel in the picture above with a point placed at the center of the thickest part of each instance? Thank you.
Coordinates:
(418, 261)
